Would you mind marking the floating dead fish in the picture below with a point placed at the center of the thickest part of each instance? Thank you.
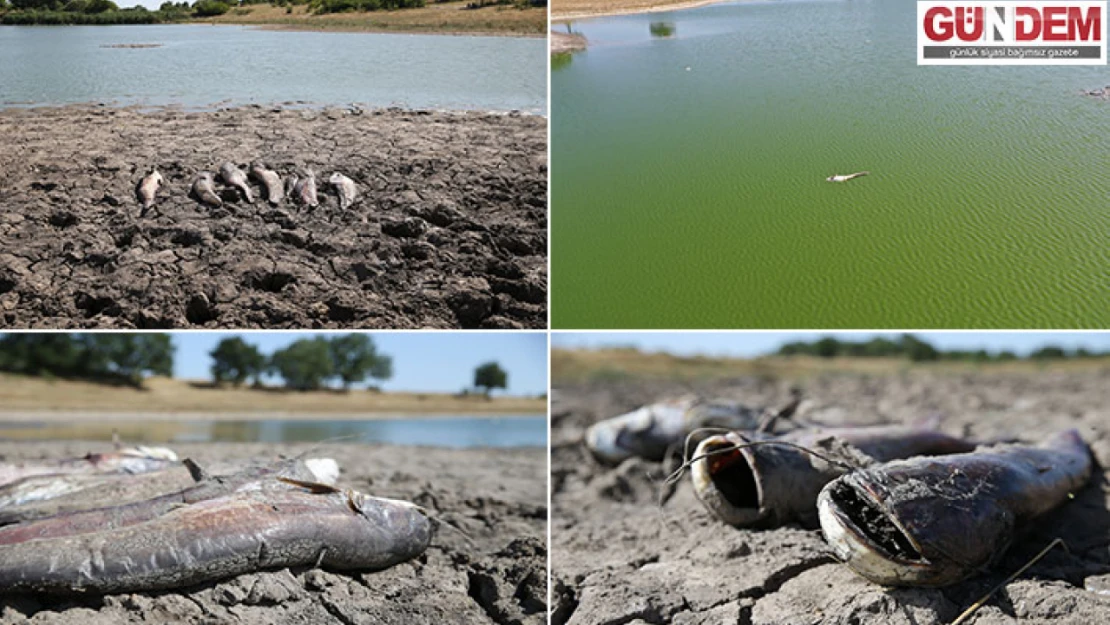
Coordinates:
(270, 181)
(649, 431)
(314, 525)
(232, 176)
(345, 188)
(770, 485)
(319, 470)
(936, 521)
(128, 460)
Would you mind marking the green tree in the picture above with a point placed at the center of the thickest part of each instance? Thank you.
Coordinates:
(235, 360)
(128, 356)
(210, 8)
(304, 365)
(827, 347)
(1049, 352)
(355, 357)
(490, 376)
(918, 350)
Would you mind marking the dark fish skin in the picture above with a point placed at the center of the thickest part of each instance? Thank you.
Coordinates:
(936, 521)
(223, 537)
(112, 517)
(771, 485)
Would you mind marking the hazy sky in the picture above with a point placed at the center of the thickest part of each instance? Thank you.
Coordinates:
(422, 361)
(748, 344)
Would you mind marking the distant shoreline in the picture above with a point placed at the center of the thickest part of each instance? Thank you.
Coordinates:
(592, 8)
(77, 417)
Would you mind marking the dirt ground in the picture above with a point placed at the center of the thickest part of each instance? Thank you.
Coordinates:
(498, 575)
(450, 230)
(618, 558)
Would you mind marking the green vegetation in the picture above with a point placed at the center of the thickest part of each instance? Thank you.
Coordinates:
(355, 358)
(320, 7)
(917, 350)
(234, 360)
(112, 358)
(210, 8)
(308, 364)
(490, 376)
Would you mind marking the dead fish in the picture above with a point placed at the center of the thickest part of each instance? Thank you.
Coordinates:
(47, 495)
(770, 485)
(936, 521)
(291, 186)
(345, 188)
(271, 182)
(204, 190)
(254, 478)
(148, 187)
(314, 525)
(129, 460)
(304, 190)
(846, 177)
(232, 176)
(649, 431)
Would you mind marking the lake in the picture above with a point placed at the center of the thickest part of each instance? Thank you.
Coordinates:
(689, 157)
(433, 431)
(203, 65)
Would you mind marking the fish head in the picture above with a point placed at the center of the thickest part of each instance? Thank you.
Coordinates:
(404, 527)
(726, 481)
(912, 524)
(645, 432)
(336, 178)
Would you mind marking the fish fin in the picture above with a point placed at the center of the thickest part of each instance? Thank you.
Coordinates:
(195, 470)
(316, 488)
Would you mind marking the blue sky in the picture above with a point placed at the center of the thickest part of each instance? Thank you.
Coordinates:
(422, 361)
(749, 344)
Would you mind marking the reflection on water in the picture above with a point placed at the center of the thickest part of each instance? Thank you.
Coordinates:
(197, 65)
(460, 431)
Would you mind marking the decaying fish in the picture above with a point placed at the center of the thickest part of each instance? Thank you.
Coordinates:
(345, 188)
(127, 460)
(204, 190)
(256, 478)
(650, 431)
(270, 181)
(936, 521)
(46, 495)
(770, 485)
(314, 525)
(148, 188)
(304, 189)
(232, 176)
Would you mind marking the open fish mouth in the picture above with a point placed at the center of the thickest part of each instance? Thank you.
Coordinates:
(866, 536)
(726, 482)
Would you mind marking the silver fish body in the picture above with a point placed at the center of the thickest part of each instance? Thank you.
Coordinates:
(218, 538)
(304, 190)
(271, 182)
(770, 485)
(232, 176)
(127, 460)
(936, 521)
(648, 432)
(345, 188)
(148, 188)
(204, 190)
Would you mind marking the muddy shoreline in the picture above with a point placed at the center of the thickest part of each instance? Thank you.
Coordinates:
(450, 230)
(497, 575)
(618, 557)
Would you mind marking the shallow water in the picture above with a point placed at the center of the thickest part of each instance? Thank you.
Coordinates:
(432, 431)
(202, 65)
(688, 177)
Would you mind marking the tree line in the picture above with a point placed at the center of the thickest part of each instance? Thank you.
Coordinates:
(126, 358)
(918, 350)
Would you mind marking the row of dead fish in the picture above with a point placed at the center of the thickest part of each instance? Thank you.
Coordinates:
(901, 506)
(172, 525)
(301, 189)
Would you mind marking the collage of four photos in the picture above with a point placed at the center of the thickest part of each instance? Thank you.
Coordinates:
(580, 312)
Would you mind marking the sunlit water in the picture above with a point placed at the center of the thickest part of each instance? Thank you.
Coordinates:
(201, 65)
(449, 431)
(688, 177)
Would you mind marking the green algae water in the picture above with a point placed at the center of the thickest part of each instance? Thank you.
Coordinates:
(689, 157)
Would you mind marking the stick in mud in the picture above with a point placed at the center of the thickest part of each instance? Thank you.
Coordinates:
(217, 538)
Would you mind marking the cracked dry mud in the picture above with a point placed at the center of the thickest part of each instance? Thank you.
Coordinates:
(449, 231)
(498, 575)
(617, 559)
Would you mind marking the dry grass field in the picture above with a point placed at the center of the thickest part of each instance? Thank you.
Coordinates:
(563, 10)
(443, 17)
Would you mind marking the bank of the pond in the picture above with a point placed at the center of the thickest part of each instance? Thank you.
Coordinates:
(450, 230)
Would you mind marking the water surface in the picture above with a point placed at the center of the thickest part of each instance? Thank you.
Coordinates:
(450, 431)
(202, 65)
(689, 164)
